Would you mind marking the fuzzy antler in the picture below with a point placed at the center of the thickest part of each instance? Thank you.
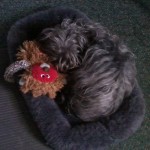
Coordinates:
(15, 67)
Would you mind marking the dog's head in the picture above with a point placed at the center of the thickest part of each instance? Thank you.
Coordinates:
(63, 44)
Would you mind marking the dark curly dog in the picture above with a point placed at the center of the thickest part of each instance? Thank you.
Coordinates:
(101, 72)
(102, 69)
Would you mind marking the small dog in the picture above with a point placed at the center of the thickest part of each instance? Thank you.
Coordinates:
(63, 44)
(101, 68)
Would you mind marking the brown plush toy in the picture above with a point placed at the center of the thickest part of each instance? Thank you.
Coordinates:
(40, 77)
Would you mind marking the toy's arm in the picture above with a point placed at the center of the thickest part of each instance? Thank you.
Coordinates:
(58, 132)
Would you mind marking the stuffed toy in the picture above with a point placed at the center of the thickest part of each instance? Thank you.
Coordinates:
(40, 76)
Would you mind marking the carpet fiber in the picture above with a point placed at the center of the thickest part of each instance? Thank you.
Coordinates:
(128, 19)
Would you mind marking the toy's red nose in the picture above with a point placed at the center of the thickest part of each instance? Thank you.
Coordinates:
(44, 75)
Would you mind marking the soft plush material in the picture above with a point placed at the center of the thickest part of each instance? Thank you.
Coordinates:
(59, 131)
(40, 77)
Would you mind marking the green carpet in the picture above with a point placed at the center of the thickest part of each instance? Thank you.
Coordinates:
(130, 19)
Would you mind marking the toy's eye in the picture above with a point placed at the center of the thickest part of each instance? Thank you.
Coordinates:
(47, 75)
(43, 75)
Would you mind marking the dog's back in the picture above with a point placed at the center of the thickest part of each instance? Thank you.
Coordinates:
(105, 77)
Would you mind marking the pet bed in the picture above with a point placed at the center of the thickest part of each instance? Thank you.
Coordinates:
(57, 130)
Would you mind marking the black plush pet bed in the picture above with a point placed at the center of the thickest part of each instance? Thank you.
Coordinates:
(57, 130)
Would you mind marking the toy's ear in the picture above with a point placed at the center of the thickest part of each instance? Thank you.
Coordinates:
(30, 51)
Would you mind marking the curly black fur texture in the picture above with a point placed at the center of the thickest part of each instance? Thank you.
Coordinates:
(62, 131)
(104, 67)
(64, 44)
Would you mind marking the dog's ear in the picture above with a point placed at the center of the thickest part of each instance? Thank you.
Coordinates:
(125, 60)
(45, 34)
(128, 70)
(95, 32)
(82, 41)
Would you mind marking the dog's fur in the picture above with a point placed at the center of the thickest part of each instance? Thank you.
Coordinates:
(64, 44)
(62, 131)
(102, 68)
